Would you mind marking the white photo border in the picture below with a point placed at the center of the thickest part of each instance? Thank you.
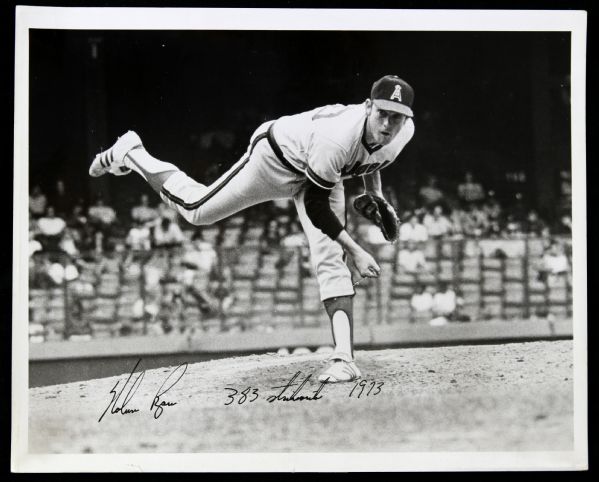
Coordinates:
(296, 19)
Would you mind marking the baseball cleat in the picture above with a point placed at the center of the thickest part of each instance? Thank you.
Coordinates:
(343, 369)
(113, 160)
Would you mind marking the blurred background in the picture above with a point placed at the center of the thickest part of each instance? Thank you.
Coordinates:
(483, 188)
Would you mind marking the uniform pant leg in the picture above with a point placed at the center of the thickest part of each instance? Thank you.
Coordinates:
(248, 182)
(333, 275)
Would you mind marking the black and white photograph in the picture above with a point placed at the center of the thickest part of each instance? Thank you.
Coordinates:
(299, 240)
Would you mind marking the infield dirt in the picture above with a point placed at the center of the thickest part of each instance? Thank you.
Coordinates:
(510, 397)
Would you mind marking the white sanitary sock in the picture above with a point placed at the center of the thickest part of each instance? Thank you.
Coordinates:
(342, 332)
(145, 165)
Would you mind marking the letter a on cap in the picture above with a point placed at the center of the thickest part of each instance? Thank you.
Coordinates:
(396, 93)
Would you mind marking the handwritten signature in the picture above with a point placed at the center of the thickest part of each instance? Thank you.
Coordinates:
(118, 403)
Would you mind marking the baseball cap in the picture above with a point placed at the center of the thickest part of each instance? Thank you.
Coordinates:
(392, 93)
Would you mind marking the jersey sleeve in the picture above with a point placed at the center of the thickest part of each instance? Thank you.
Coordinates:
(325, 161)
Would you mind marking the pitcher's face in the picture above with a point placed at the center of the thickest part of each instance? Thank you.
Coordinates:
(382, 125)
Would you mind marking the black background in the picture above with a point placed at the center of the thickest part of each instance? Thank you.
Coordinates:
(477, 98)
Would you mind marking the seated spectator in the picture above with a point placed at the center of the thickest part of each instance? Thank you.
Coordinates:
(456, 216)
(565, 189)
(281, 207)
(410, 259)
(144, 213)
(373, 235)
(170, 315)
(554, 263)
(200, 255)
(474, 221)
(445, 302)
(413, 230)
(494, 216)
(60, 200)
(59, 272)
(271, 237)
(37, 202)
(138, 237)
(437, 224)
(154, 270)
(470, 191)
(295, 240)
(166, 212)
(534, 225)
(34, 245)
(519, 209)
(563, 225)
(168, 234)
(77, 218)
(51, 228)
(38, 272)
(422, 299)
(513, 227)
(67, 243)
(295, 237)
(221, 287)
(492, 208)
(101, 215)
(111, 261)
(429, 193)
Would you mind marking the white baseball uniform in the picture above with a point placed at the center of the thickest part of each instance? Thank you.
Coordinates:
(325, 146)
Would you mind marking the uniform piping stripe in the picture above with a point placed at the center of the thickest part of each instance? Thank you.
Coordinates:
(319, 181)
(209, 195)
(278, 152)
(102, 160)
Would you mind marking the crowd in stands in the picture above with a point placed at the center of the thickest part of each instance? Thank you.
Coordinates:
(69, 241)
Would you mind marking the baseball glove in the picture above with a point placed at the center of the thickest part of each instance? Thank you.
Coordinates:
(380, 212)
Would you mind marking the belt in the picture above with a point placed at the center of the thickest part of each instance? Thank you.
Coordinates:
(278, 152)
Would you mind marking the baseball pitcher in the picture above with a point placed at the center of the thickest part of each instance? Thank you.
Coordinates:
(305, 157)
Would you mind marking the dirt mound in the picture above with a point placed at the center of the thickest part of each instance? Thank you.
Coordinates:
(486, 397)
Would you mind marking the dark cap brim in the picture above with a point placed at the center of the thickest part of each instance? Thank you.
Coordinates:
(393, 106)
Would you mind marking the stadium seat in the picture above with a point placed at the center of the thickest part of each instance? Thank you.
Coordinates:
(209, 234)
(246, 272)
(514, 292)
(492, 282)
(470, 270)
(422, 316)
(36, 329)
(471, 293)
(514, 269)
(514, 312)
(559, 311)
(286, 295)
(534, 285)
(491, 264)
(535, 247)
(430, 249)
(557, 295)
(399, 311)
(386, 253)
(492, 306)
(446, 270)
(402, 291)
(447, 249)
(404, 278)
(472, 310)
